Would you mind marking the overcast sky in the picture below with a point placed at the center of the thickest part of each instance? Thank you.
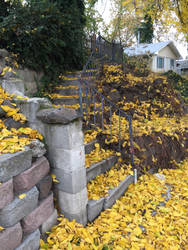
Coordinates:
(104, 6)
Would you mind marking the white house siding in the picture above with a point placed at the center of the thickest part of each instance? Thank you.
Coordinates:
(167, 54)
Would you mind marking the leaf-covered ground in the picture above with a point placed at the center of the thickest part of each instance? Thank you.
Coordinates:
(153, 214)
(144, 218)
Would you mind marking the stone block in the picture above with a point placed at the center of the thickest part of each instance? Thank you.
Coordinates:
(95, 170)
(65, 136)
(44, 187)
(11, 237)
(117, 192)
(14, 164)
(30, 242)
(40, 214)
(30, 177)
(13, 85)
(6, 193)
(31, 106)
(19, 208)
(38, 125)
(72, 203)
(80, 217)
(94, 208)
(70, 182)
(38, 148)
(49, 223)
(67, 159)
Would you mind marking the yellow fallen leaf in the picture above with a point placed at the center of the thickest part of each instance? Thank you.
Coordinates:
(21, 196)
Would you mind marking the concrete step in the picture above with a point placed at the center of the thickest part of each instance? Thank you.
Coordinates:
(100, 167)
(71, 82)
(66, 101)
(90, 146)
(67, 91)
(94, 208)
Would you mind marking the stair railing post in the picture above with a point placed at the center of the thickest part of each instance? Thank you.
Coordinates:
(80, 95)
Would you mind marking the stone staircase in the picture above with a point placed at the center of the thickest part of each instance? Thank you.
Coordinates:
(68, 97)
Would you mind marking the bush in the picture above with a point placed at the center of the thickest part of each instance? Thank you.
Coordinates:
(138, 65)
(179, 83)
(46, 35)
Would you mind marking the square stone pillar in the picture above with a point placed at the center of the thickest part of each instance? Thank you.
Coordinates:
(65, 142)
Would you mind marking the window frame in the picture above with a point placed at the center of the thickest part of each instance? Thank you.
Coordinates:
(160, 62)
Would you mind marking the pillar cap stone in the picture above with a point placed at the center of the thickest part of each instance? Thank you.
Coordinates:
(58, 115)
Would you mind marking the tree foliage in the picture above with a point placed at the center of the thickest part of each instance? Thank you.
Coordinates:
(46, 35)
(146, 30)
(173, 12)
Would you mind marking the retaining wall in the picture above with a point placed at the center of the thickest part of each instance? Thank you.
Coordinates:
(26, 200)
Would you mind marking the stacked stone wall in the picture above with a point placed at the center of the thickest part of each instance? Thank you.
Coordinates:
(26, 200)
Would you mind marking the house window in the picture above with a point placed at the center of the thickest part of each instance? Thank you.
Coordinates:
(160, 62)
(171, 63)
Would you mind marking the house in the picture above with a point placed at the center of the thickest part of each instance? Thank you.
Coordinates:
(182, 67)
(164, 55)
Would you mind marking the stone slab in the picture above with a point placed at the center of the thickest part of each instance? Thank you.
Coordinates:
(58, 115)
(30, 177)
(117, 192)
(19, 208)
(40, 214)
(70, 182)
(94, 208)
(49, 223)
(14, 164)
(11, 237)
(30, 242)
(44, 187)
(72, 203)
(6, 193)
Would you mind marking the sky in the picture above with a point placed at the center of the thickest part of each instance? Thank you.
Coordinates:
(104, 6)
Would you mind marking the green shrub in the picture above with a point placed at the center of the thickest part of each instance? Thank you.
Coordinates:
(179, 83)
(46, 35)
(138, 65)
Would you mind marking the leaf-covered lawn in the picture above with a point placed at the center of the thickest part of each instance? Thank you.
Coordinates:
(136, 221)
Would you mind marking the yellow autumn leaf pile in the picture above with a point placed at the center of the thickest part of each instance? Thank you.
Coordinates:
(90, 135)
(97, 155)
(130, 223)
(14, 140)
(99, 187)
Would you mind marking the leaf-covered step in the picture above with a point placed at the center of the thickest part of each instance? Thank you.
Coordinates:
(99, 161)
(106, 188)
(66, 100)
(67, 90)
(100, 167)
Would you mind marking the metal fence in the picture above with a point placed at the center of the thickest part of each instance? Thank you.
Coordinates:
(97, 110)
(111, 52)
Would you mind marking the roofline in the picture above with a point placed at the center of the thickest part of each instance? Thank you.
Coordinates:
(173, 47)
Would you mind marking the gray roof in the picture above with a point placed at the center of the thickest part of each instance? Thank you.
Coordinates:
(151, 48)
